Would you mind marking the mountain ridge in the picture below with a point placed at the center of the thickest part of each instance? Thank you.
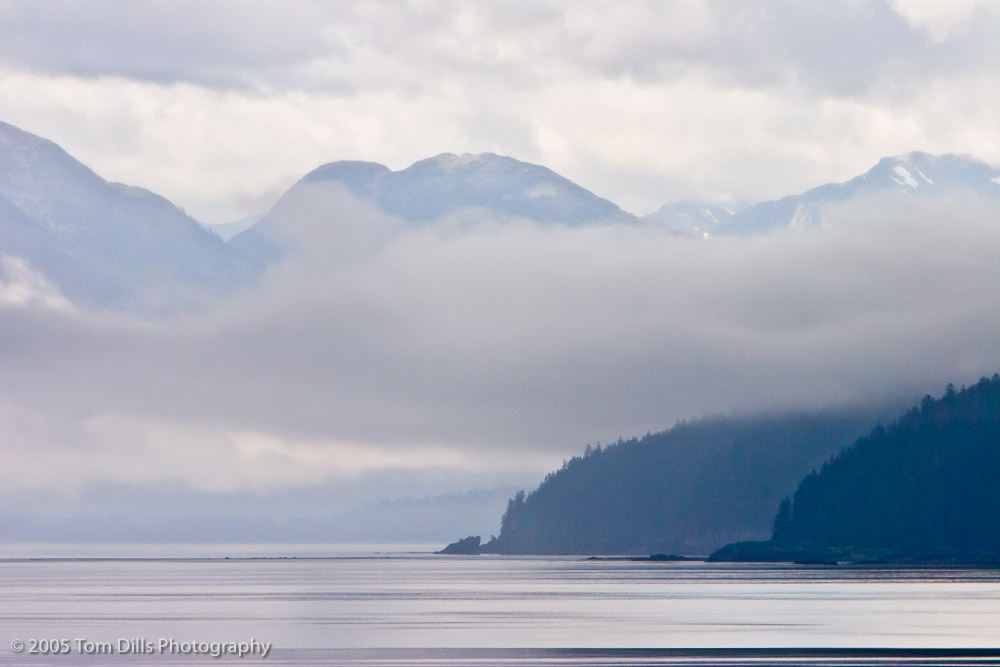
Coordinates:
(909, 174)
(125, 247)
(683, 490)
(480, 180)
(102, 243)
(429, 190)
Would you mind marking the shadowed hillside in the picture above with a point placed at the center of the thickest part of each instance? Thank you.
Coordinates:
(687, 490)
(922, 489)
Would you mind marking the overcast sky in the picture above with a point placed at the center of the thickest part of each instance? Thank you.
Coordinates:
(484, 353)
(221, 105)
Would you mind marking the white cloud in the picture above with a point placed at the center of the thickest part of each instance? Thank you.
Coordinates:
(472, 348)
(225, 154)
(65, 456)
(21, 286)
(641, 103)
(511, 345)
(940, 20)
(222, 154)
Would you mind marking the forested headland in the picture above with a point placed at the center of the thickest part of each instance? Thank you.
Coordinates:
(687, 490)
(923, 489)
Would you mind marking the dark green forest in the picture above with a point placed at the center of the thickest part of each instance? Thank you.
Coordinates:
(923, 488)
(687, 490)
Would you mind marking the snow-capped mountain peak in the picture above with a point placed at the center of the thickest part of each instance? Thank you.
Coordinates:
(930, 174)
(915, 174)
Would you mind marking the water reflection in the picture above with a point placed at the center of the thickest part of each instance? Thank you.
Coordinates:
(366, 607)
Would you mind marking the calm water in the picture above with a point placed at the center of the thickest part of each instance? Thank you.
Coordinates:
(324, 605)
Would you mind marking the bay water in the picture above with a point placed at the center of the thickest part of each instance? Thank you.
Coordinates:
(401, 605)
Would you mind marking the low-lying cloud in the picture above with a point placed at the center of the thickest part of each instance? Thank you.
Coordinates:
(491, 349)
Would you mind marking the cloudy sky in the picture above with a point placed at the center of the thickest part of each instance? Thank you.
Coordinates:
(456, 357)
(220, 106)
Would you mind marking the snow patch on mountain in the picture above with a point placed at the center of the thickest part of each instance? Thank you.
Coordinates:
(940, 176)
(696, 219)
(907, 177)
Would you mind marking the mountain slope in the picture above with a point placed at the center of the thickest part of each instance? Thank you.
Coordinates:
(926, 484)
(687, 490)
(103, 244)
(435, 187)
(429, 190)
(691, 218)
(912, 175)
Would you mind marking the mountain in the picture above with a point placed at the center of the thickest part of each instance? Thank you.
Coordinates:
(922, 489)
(104, 244)
(430, 190)
(911, 175)
(110, 245)
(687, 490)
(227, 230)
(691, 218)
(436, 187)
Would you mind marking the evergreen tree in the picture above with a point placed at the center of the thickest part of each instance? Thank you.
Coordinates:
(924, 485)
